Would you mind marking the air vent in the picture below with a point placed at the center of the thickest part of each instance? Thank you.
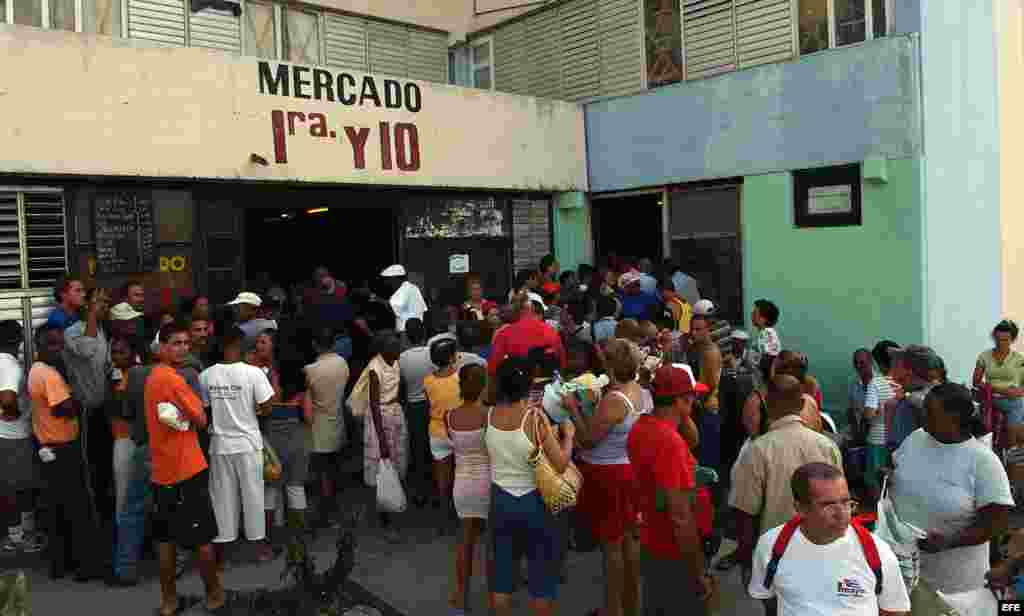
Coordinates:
(10, 243)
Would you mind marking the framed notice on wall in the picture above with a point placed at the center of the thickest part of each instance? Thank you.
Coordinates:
(827, 197)
(124, 231)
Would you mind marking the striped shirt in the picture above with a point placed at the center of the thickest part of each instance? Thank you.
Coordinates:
(878, 392)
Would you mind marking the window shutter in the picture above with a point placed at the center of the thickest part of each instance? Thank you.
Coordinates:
(260, 32)
(428, 55)
(346, 42)
(581, 65)
(45, 239)
(214, 29)
(621, 47)
(764, 31)
(157, 21)
(301, 37)
(389, 47)
(543, 51)
(510, 61)
(10, 242)
(708, 37)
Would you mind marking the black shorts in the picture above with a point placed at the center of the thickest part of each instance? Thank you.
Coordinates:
(184, 512)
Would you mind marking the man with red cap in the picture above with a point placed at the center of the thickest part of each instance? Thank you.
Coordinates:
(665, 472)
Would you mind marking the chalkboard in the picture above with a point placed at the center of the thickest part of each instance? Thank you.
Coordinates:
(125, 232)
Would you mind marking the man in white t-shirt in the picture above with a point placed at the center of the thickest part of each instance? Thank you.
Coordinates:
(824, 570)
(16, 447)
(235, 394)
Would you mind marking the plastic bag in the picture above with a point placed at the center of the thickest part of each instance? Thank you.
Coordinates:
(901, 537)
(390, 494)
(977, 602)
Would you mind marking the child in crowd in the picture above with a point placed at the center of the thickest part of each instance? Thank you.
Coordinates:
(767, 345)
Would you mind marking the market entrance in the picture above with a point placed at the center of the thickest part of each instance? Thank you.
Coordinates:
(629, 225)
(284, 245)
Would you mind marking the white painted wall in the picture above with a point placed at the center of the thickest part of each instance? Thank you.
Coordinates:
(1009, 22)
(76, 104)
(963, 259)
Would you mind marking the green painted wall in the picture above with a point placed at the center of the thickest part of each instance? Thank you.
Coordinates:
(571, 220)
(838, 288)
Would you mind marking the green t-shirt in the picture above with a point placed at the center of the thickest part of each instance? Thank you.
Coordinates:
(1002, 374)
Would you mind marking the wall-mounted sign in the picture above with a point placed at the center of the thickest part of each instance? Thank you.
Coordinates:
(161, 118)
(177, 263)
(124, 232)
(458, 264)
(830, 199)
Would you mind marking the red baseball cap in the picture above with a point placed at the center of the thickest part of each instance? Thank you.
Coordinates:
(676, 380)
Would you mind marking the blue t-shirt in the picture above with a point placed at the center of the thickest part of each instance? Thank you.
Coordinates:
(638, 306)
(61, 319)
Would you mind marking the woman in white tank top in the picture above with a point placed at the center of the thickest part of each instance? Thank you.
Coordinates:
(520, 522)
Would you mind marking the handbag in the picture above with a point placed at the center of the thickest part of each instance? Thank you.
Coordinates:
(901, 537)
(559, 490)
(390, 494)
(272, 469)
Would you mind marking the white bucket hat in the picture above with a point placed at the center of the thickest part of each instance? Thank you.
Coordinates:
(247, 297)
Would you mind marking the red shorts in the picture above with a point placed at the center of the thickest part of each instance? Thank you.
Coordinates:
(606, 503)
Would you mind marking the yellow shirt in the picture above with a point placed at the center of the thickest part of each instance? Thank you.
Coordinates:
(443, 394)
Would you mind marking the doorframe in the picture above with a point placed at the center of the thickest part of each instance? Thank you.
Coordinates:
(595, 216)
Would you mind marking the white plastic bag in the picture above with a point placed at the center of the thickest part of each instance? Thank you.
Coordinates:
(390, 494)
(977, 602)
(901, 537)
(170, 416)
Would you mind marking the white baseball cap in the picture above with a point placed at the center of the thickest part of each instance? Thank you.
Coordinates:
(704, 307)
(247, 297)
(393, 271)
(739, 334)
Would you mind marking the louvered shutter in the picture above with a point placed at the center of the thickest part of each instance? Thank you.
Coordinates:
(45, 238)
(428, 55)
(10, 242)
(510, 62)
(157, 21)
(709, 37)
(543, 51)
(301, 37)
(260, 33)
(581, 63)
(764, 31)
(214, 29)
(621, 47)
(346, 42)
(388, 45)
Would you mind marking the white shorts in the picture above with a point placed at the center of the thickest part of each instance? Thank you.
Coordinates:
(236, 486)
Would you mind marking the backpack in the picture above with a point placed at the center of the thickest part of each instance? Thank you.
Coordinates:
(867, 544)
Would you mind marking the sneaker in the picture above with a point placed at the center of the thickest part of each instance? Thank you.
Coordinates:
(33, 542)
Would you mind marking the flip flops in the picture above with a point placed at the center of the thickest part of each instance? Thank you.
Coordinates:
(178, 610)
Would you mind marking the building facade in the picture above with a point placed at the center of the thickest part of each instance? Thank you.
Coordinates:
(852, 160)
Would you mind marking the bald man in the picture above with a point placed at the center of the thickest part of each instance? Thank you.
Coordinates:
(763, 474)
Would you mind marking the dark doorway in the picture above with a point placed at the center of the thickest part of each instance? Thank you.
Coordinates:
(286, 244)
(629, 226)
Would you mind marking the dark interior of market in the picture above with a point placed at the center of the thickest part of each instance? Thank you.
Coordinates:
(628, 226)
(286, 244)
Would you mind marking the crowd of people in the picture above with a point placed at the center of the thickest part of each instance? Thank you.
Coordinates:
(204, 425)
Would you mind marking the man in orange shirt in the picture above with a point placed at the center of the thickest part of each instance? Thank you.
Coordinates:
(55, 416)
(184, 512)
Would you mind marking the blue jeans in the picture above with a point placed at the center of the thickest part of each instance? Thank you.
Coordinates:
(131, 520)
(522, 525)
(1013, 408)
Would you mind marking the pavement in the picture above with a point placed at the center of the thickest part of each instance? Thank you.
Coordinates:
(413, 576)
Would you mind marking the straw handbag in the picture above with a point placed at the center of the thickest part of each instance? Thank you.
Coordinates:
(559, 491)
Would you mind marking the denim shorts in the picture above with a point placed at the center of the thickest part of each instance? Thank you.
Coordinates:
(523, 526)
(1013, 408)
